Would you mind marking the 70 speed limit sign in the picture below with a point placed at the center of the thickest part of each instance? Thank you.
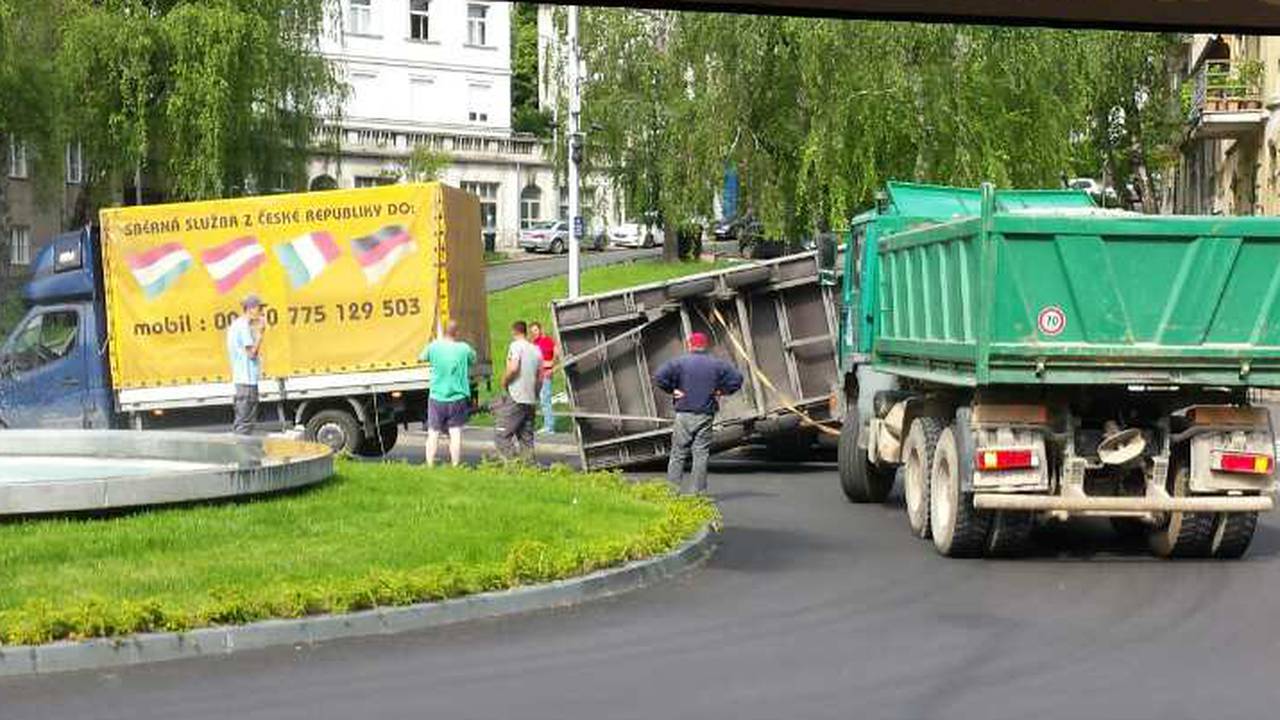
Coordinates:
(1051, 321)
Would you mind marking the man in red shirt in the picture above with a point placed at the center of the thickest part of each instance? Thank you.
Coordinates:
(550, 353)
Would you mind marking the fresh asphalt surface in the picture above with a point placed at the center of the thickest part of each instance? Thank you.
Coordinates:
(811, 608)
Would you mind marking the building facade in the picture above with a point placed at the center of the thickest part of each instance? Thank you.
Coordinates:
(1228, 162)
(436, 74)
(29, 220)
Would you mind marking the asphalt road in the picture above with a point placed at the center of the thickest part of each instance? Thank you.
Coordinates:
(811, 608)
(508, 275)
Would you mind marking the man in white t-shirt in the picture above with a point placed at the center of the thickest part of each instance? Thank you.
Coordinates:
(514, 412)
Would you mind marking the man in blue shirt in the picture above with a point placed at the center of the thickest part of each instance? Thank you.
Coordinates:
(244, 347)
(695, 380)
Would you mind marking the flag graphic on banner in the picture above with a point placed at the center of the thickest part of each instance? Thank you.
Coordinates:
(159, 268)
(230, 263)
(304, 258)
(380, 252)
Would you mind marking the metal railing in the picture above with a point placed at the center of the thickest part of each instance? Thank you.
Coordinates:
(1226, 86)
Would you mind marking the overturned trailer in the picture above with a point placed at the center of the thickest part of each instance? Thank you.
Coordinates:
(774, 320)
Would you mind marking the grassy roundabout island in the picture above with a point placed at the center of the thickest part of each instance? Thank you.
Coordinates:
(374, 535)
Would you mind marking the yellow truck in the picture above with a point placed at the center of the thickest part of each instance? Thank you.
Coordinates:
(127, 324)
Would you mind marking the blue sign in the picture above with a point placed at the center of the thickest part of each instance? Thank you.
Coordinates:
(729, 197)
(577, 226)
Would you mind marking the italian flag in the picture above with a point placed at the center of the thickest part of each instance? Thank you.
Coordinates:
(304, 258)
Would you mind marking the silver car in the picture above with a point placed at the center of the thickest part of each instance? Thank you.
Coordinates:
(546, 236)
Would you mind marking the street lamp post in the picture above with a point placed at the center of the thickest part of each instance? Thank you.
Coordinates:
(575, 154)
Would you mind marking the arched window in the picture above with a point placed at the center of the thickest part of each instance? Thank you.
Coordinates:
(323, 182)
(530, 205)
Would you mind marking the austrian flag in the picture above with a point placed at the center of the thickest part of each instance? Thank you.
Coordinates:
(158, 268)
(230, 263)
(378, 253)
(304, 258)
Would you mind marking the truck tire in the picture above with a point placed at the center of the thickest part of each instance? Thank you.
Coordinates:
(1010, 534)
(1182, 534)
(959, 530)
(382, 443)
(917, 462)
(861, 481)
(338, 429)
(1232, 534)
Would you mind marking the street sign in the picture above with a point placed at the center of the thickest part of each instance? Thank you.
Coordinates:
(729, 203)
(577, 226)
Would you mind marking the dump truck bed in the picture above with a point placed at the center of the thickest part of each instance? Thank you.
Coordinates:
(780, 317)
(1056, 294)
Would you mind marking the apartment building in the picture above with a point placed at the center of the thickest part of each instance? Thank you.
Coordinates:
(1231, 97)
(29, 220)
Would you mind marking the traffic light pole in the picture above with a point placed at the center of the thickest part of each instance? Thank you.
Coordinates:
(575, 154)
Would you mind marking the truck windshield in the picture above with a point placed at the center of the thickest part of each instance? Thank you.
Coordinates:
(44, 338)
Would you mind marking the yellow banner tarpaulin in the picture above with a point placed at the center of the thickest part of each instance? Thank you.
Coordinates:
(349, 279)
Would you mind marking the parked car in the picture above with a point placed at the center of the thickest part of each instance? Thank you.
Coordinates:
(1103, 195)
(731, 228)
(546, 236)
(637, 234)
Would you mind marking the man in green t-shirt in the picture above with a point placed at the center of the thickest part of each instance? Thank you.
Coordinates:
(449, 401)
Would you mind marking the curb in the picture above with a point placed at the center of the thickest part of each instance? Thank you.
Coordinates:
(66, 656)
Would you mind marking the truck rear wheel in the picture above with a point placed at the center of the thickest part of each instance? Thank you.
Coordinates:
(382, 443)
(861, 481)
(959, 530)
(917, 462)
(1183, 534)
(338, 429)
(1232, 534)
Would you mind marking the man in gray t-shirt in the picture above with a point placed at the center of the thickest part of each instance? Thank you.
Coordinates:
(513, 413)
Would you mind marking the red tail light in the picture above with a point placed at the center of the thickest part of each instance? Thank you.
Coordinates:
(1250, 463)
(1004, 459)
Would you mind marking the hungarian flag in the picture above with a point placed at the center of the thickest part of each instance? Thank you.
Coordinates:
(159, 268)
(232, 262)
(304, 258)
(380, 252)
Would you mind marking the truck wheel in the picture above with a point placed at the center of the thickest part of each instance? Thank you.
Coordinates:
(958, 529)
(1183, 534)
(382, 443)
(1232, 534)
(861, 481)
(338, 429)
(917, 461)
(1010, 534)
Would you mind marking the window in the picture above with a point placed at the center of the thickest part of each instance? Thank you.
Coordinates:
(419, 20)
(530, 205)
(19, 245)
(420, 97)
(43, 339)
(368, 181)
(488, 194)
(360, 17)
(478, 102)
(17, 158)
(477, 24)
(75, 163)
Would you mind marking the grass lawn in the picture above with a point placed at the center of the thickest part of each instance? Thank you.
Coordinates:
(532, 302)
(375, 534)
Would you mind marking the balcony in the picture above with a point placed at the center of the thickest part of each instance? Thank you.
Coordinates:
(462, 146)
(1226, 100)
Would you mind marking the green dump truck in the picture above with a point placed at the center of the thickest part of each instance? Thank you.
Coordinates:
(1017, 357)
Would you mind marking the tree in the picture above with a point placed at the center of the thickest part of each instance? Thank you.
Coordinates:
(425, 164)
(817, 114)
(203, 99)
(527, 116)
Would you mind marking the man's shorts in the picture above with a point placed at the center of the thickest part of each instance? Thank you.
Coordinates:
(442, 416)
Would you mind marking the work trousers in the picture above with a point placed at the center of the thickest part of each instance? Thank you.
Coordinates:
(513, 429)
(691, 435)
(246, 408)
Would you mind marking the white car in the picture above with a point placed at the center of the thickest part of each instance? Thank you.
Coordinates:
(636, 235)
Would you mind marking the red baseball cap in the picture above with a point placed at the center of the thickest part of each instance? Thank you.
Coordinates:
(698, 341)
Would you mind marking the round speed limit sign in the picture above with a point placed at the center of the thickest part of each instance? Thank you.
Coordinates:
(1051, 321)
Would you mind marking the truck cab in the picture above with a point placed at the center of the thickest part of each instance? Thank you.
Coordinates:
(53, 370)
